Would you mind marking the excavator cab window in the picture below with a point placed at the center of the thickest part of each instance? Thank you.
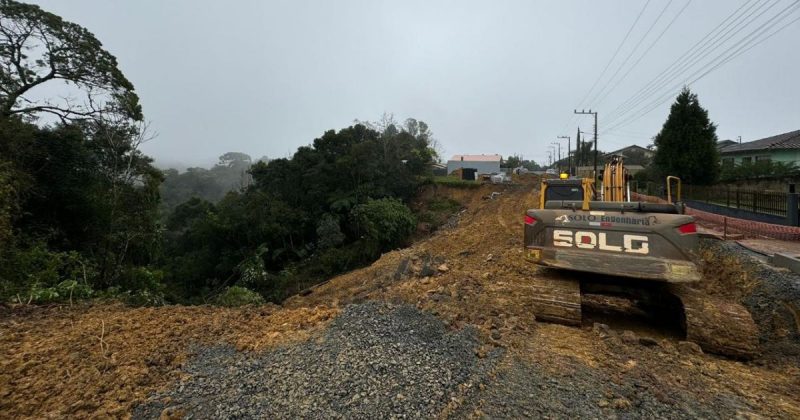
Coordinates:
(564, 191)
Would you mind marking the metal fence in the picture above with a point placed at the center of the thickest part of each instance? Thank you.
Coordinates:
(765, 202)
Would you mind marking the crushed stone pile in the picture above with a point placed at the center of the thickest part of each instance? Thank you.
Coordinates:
(374, 361)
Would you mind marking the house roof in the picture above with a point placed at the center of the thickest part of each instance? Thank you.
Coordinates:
(724, 143)
(790, 140)
(628, 148)
(477, 158)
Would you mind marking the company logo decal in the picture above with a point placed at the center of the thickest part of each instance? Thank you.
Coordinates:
(632, 244)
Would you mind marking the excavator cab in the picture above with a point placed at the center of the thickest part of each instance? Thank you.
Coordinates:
(577, 192)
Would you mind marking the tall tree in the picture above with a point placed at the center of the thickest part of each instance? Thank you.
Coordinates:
(39, 48)
(687, 144)
(513, 161)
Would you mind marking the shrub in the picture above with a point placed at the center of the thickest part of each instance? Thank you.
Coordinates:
(238, 296)
(38, 275)
(387, 221)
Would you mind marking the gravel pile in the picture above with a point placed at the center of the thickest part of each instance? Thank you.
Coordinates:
(373, 361)
(526, 390)
(773, 302)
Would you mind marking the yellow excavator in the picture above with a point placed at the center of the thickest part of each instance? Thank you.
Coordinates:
(606, 247)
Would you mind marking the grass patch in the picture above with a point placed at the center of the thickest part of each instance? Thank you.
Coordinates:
(455, 182)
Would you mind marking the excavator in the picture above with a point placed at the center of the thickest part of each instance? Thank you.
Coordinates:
(603, 249)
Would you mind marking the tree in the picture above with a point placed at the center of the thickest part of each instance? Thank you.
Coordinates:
(532, 166)
(687, 144)
(38, 48)
(513, 162)
(584, 153)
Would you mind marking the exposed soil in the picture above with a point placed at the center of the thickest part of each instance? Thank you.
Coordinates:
(104, 360)
(101, 360)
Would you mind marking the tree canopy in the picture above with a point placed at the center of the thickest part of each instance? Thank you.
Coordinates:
(230, 174)
(333, 205)
(686, 146)
(37, 48)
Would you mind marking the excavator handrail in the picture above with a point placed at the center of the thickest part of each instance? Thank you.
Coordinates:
(669, 188)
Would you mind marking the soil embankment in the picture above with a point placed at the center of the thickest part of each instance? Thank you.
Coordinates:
(442, 328)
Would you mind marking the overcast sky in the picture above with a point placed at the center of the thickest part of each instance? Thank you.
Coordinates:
(264, 77)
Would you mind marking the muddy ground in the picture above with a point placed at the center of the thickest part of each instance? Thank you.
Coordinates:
(101, 359)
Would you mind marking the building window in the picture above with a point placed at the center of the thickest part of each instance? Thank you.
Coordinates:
(727, 162)
(747, 160)
(765, 158)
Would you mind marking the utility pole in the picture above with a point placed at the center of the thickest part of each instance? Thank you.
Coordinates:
(583, 112)
(555, 143)
(569, 158)
(578, 150)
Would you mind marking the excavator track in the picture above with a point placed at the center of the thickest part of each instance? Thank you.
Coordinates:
(556, 300)
(717, 326)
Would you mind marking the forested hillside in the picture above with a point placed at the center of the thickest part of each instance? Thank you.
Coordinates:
(84, 213)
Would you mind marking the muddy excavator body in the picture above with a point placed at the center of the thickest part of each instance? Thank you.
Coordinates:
(648, 250)
(636, 242)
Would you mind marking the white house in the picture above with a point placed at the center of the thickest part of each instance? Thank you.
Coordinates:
(483, 164)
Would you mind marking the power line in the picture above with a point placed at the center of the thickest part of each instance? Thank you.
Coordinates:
(619, 47)
(692, 57)
(679, 64)
(666, 28)
(611, 60)
(744, 45)
(636, 47)
(720, 60)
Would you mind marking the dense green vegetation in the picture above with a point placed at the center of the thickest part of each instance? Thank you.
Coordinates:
(81, 207)
(81, 210)
(333, 206)
(83, 217)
